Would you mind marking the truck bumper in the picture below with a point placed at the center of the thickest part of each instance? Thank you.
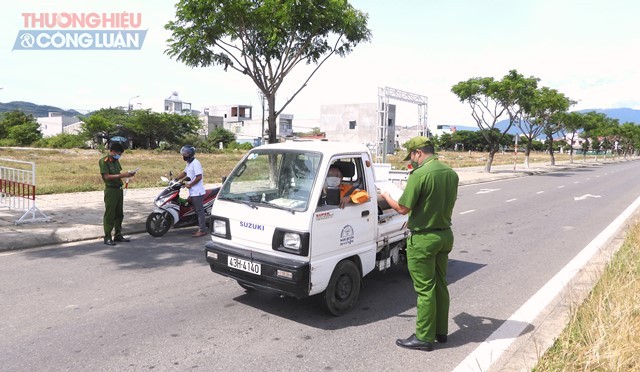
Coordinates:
(296, 286)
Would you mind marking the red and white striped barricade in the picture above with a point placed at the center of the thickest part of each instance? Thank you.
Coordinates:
(18, 190)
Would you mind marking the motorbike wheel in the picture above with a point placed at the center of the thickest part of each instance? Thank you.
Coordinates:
(159, 223)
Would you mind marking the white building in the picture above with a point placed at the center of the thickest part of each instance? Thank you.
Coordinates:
(57, 123)
(173, 104)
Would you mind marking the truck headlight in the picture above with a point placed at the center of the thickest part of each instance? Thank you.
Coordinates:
(220, 227)
(293, 242)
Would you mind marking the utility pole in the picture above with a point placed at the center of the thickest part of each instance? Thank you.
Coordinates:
(262, 97)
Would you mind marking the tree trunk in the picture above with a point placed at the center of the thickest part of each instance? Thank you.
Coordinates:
(271, 101)
(487, 166)
(553, 158)
(527, 153)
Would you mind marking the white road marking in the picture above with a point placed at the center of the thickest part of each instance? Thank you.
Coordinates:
(583, 197)
(561, 187)
(510, 200)
(577, 182)
(539, 192)
(494, 346)
(486, 191)
(469, 211)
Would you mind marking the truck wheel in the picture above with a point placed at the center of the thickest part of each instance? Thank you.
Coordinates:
(159, 223)
(343, 289)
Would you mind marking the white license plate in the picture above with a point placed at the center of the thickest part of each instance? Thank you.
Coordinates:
(244, 265)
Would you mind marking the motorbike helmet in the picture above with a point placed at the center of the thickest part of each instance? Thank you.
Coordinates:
(188, 152)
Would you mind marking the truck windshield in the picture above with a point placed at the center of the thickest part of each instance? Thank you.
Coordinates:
(280, 179)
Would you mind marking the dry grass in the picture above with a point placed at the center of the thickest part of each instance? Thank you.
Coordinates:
(604, 332)
(62, 171)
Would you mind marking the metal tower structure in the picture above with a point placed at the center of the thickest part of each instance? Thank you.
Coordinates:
(384, 95)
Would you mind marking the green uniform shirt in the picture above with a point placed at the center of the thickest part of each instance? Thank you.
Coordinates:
(430, 193)
(110, 165)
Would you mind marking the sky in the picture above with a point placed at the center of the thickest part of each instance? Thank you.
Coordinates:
(583, 48)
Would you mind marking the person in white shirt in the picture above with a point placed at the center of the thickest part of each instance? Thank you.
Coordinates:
(193, 170)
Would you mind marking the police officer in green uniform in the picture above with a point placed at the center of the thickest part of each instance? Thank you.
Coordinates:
(429, 197)
(113, 196)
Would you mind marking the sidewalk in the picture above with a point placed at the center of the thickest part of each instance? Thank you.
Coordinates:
(78, 216)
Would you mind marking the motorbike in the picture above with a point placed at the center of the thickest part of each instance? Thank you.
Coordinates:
(174, 211)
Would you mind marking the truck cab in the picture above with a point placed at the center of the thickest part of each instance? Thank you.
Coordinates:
(277, 226)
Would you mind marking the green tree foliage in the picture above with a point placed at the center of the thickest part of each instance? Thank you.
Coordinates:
(19, 129)
(221, 135)
(491, 100)
(63, 141)
(144, 128)
(265, 39)
(547, 105)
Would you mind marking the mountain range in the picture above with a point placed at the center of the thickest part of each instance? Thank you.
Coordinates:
(36, 110)
(624, 115)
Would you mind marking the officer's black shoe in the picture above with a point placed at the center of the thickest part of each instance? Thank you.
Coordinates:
(121, 239)
(109, 242)
(441, 338)
(413, 343)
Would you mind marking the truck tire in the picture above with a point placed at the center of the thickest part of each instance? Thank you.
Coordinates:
(159, 223)
(343, 289)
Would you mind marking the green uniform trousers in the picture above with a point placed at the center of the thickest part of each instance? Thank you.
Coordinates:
(113, 211)
(427, 258)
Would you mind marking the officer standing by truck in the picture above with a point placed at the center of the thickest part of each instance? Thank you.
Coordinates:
(429, 197)
(110, 169)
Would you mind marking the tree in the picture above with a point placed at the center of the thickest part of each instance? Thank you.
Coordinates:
(265, 39)
(591, 122)
(18, 128)
(547, 104)
(571, 124)
(490, 100)
(221, 135)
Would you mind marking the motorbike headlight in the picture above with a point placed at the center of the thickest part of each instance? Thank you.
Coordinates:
(163, 200)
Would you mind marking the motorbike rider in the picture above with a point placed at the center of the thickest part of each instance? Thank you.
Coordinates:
(193, 170)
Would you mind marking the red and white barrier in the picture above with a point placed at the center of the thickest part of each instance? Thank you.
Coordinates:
(18, 190)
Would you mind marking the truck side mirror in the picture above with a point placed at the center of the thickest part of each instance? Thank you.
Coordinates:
(224, 178)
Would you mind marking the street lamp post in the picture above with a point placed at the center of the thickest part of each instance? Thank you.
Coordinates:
(262, 97)
(129, 104)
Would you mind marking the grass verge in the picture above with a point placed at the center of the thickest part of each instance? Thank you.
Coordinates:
(603, 333)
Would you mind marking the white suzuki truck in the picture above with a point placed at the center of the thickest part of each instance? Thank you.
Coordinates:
(277, 227)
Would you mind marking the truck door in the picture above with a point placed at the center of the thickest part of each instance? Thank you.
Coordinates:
(343, 232)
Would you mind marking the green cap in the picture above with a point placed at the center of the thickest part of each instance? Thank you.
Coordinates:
(416, 143)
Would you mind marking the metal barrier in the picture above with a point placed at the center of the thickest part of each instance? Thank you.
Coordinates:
(18, 191)
(399, 177)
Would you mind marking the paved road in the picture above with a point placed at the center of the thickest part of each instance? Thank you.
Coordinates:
(154, 304)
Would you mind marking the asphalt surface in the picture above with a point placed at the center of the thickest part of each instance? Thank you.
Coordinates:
(78, 216)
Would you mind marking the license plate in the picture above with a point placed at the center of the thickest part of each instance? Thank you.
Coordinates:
(244, 265)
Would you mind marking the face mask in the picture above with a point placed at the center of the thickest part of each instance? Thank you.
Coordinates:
(414, 164)
(333, 181)
(186, 158)
(116, 156)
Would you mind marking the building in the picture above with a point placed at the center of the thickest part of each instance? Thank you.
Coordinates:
(173, 104)
(358, 123)
(240, 120)
(57, 123)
